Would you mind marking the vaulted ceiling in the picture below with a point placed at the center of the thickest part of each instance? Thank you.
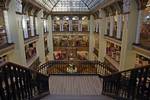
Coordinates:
(70, 5)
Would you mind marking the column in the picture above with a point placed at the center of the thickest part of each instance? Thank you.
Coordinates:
(102, 41)
(32, 26)
(61, 25)
(96, 25)
(119, 26)
(70, 24)
(128, 56)
(88, 24)
(14, 25)
(53, 28)
(91, 38)
(50, 38)
(80, 25)
(36, 25)
(111, 25)
(138, 31)
(106, 25)
(40, 43)
(7, 26)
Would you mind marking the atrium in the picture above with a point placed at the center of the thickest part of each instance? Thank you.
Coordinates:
(74, 49)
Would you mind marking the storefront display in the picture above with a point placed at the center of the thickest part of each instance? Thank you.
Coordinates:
(70, 41)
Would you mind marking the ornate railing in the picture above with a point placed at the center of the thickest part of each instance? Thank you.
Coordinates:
(133, 84)
(20, 83)
(76, 67)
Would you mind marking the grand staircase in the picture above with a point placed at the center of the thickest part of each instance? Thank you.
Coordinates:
(83, 87)
(103, 83)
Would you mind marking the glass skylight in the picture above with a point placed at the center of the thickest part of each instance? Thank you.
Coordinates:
(69, 5)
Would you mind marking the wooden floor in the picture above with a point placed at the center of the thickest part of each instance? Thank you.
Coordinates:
(75, 85)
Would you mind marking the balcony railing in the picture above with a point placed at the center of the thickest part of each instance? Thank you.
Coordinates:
(79, 67)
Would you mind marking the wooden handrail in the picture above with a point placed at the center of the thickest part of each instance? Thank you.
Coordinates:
(132, 69)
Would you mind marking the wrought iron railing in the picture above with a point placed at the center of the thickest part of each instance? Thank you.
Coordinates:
(133, 84)
(20, 83)
(76, 67)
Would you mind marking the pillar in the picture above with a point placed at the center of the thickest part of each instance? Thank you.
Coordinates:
(91, 38)
(80, 25)
(40, 43)
(53, 28)
(97, 25)
(111, 25)
(119, 26)
(128, 56)
(106, 25)
(61, 25)
(70, 24)
(32, 26)
(102, 41)
(50, 38)
(7, 26)
(14, 25)
(139, 24)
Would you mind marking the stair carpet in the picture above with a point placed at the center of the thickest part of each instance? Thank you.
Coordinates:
(75, 88)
